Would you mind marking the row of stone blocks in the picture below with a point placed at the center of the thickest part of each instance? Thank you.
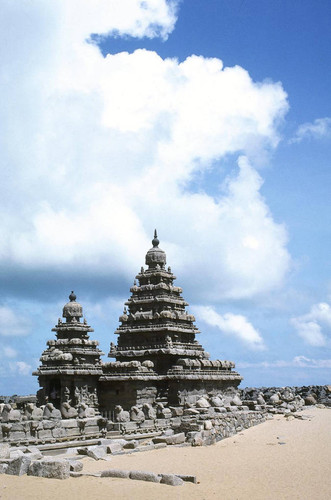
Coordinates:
(51, 431)
(62, 469)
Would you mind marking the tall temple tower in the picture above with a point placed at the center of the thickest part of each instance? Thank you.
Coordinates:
(158, 358)
(70, 366)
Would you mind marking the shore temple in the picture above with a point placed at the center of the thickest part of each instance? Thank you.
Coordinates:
(158, 358)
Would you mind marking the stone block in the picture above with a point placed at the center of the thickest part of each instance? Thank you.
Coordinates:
(177, 411)
(125, 474)
(59, 432)
(17, 436)
(191, 411)
(31, 449)
(171, 480)
(70, 423)
(175, 421)
(160, 439)
(16, 453)
(176, 439)
(114, 447)
(4, 450)
(45, 434)
(75, 465)
(17, 426)
(91, 422)
(130, 426)
(92, 430)
(82, 450)
(161, 422)
(130, 445)
(19, 466)
(97, 452)
(73, 432)
(147, 424)
(145, 476)
(49, 424)
(55, 468)
(220, 410)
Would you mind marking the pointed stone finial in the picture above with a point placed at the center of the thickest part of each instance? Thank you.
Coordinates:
(155, 256)
(72, 296)
(155, 240)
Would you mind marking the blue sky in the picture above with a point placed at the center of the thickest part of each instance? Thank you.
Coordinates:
(209, 120)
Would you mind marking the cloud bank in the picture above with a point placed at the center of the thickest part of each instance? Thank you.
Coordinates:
(99, 151)
(296, 362)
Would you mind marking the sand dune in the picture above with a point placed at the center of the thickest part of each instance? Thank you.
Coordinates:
(280, 459)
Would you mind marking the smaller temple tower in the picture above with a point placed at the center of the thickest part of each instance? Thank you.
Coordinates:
(71, 365)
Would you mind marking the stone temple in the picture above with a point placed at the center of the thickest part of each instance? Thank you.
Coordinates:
(161, 389)
(158, 359)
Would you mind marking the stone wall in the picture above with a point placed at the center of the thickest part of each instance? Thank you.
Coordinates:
(206, 420)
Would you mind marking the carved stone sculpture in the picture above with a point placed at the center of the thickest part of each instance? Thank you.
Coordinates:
(121, 415)
(136, 414)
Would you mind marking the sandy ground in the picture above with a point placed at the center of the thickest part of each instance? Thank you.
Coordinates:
(280, 459)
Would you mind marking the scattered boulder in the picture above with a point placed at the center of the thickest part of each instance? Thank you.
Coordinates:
(54, 468)
(260, 399)
(18, 466)
(310, 400)
(114, 447)
(131, 445)
(125, 474)
(145, 476)
(97, 452)
(75, 465)
(275, 399)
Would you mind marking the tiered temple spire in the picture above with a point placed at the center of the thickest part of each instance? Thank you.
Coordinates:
(71, 364)
(156, 345)
(156, 325)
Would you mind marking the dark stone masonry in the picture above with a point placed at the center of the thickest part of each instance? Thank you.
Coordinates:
(161, 389)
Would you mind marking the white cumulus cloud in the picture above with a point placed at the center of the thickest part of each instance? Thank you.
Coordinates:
(234, 325)
(315, 326)
(99, 151)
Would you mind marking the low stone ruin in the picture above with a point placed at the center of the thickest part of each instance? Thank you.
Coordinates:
(207, 420)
